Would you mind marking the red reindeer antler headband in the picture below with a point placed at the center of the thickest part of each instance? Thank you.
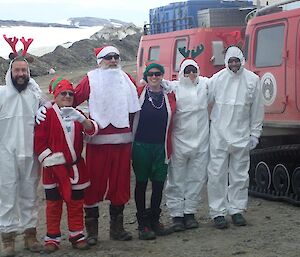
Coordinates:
(26, 44)
(13, 41)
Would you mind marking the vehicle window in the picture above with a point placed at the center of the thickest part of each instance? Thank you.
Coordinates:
(141, 57)
(269, 46)
(246, 48)
(154, 53)
(217, 53)
(178, 56)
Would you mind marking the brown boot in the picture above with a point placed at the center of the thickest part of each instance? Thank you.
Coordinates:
(91, 225)
(30, 241)
(8, 242)
(117, 231)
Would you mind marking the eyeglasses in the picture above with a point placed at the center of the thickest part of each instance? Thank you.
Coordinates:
(155, 73)
(109, 57)
(190, 69)
(65, 93)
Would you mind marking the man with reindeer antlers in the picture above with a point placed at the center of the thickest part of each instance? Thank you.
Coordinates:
(19, 175)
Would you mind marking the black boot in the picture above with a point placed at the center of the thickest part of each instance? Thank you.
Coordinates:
(190, 222)
(91, 224)
(178, 224)
(145, 230)
(117, 231)
(158, 228)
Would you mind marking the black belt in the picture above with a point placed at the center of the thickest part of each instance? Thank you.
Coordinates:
(74, 163)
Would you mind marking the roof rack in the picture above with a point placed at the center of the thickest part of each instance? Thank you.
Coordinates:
(273, 7)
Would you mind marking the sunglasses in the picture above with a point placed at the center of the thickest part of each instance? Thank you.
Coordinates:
(109, 57)
(65, 93)
(155, 73)
(190, 69)
(232, 60)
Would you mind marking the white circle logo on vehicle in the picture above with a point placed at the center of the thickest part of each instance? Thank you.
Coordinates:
(269, 88)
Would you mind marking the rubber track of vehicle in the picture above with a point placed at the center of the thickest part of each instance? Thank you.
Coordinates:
(287, 154)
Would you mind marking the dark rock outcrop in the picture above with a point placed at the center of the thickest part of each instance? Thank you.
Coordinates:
(79, 54)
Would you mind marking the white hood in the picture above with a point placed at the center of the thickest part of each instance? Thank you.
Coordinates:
(183, 65)
(234, 51)
(32, 85)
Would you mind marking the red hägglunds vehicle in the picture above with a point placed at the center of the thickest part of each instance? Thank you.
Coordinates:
(270, 37)
(272, 49)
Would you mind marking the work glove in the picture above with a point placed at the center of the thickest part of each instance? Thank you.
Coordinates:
(40, 114)
(71, 114)
(253, 142)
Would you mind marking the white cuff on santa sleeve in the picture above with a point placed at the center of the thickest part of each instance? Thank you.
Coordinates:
(44, 154)
(94, 130)
(54, 159)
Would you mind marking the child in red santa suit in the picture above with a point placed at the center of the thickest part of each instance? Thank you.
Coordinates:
(59, 144)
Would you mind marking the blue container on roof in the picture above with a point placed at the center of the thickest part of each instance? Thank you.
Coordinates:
(183, 15)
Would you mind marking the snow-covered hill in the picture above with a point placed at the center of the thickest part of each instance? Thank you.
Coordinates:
(45, 38)
(113, 32)
(49, 35)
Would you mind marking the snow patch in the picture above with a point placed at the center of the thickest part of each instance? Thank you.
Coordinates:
(45, 38)
(110, 32)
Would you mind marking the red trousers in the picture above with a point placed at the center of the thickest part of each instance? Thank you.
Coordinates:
(54, 213)
(109, 170)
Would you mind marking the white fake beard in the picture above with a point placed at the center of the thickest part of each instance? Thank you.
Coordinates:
(112, 77)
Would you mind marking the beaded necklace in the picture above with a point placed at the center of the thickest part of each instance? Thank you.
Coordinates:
(150, 98)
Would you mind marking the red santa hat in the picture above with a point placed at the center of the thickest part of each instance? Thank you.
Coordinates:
(105, 50)
(59, 84)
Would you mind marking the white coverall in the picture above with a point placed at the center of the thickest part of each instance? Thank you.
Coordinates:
(19, 174)
(187, 169)
(237, 113)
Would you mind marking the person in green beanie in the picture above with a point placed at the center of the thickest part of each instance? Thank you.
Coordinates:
(151, 151)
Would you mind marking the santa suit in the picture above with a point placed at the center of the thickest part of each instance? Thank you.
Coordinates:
(112, 97)
(19, 173)
(63, 139)
(237, 113)
(187, 169)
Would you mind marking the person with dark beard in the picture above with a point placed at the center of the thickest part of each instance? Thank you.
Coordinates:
(19, 74)
(19, 169)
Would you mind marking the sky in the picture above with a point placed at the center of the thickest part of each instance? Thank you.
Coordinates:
(58, 11)
(136, 11)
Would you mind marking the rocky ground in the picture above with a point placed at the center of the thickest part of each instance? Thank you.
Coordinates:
(272, 231)
(273, 228)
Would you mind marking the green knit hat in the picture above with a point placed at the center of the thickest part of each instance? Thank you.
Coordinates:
(151, 66)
